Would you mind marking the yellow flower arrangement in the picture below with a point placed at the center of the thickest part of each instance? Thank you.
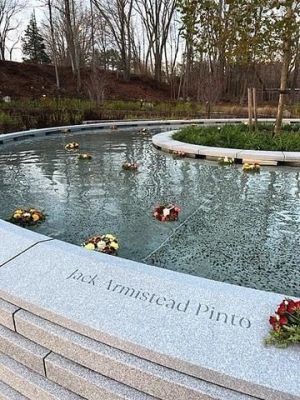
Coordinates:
(72, 146)
(226, 160)
(31, 216)
(255, 167)
(107, 243)
(85, 156)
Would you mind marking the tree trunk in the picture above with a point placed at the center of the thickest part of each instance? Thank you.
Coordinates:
(284, 71)
(70, 36)
(250, 109)
(53, 44)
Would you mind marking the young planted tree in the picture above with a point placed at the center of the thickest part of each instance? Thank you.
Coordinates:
(245, 33)
(286, 25)
(33, 45)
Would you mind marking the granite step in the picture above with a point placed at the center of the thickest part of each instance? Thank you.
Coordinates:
(7, 311)
(30, 384)
(87, 383)
(143, 375)
(23, 350)
(8, 393)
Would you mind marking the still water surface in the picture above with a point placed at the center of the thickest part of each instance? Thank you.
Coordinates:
(234, 227)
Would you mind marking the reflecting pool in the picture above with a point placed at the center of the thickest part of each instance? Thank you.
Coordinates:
(233, 227)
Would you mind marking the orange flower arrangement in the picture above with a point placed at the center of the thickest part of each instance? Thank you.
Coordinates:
(23, 217)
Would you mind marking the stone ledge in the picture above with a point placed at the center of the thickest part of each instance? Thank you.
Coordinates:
(192, 325)
(21, 238)
(163, 141)
(132, 371)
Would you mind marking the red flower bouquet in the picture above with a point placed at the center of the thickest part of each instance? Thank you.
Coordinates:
(166, 212)
(285, 324)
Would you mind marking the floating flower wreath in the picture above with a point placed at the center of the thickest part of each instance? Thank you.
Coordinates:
(72, 146)
(107, 243)
(166, 212)
(23, 217)
(131, 166)
(179, 153)
(251, 167)
(143, 130)
(65, 130)
(113, 127)
(226, 160)
(85, 156)
(285, 324)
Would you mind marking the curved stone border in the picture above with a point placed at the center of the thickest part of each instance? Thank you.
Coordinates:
(163, 141)
(79, 324)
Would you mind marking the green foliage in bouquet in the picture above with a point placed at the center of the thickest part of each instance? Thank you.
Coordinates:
(285, 324)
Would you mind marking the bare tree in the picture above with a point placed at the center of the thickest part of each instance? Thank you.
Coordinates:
(118, 14)
(13, 47)
(9, 9)
(70, 35)
(156, 16)
(53, 45)
(171, 52)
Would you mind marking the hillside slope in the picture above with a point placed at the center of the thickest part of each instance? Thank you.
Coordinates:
(23, 80)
